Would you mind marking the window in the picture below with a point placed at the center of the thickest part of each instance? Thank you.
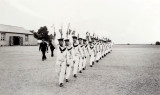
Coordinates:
(26, 37)
(3, 36)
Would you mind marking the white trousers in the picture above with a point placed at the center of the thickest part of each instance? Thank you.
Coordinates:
(101, 54)
(69, 68)
(97, 56)
(80, 64)
(75, 64)
(84, 62)
(60, 69)
(92, 58)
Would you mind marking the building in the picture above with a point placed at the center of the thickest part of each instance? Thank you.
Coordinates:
(13, 35)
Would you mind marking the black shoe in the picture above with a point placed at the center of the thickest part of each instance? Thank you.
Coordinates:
(67, 80)
(80, 71)
(83, 68)
(75, 76)
(90, 65)
(97, 61)
(61, 85)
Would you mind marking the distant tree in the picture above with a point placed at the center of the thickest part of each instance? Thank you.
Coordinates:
(157, 43)
(51, 36)
(42, 33)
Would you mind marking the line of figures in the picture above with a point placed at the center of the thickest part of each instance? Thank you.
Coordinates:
(73, 52)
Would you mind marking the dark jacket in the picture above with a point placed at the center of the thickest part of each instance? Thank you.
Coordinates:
(51, 46)
(43, 46)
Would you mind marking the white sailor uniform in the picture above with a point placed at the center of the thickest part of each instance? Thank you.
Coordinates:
(69, 51)
(86, 52)
(97, 51)
(61, 63)
(92, 54)
(76, 56)
(81, 58)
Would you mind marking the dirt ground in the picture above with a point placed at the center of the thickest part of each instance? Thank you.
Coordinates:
(128, 70)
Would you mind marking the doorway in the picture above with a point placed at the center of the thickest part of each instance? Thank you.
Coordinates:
(16, 40)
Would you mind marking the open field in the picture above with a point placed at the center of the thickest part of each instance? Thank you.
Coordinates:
(128, 70)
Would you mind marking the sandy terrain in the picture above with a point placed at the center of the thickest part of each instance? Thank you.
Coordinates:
(128, 70)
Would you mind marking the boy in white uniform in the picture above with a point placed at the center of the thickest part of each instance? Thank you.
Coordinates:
(61, 61)
(76, 56)
(86, 52)
(92, 53)
(81, 57)
(69, 59)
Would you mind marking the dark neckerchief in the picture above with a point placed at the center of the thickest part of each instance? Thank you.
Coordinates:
(91, 47)
(75, 45)
(86, 46)
(69, 49)
(62, 50)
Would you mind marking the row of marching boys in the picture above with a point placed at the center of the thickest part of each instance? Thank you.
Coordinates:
(73, 52)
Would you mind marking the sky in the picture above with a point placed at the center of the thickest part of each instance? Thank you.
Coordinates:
(123, 21)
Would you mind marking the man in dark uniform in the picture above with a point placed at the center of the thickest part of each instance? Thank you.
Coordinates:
(51, 48)
(43, 47)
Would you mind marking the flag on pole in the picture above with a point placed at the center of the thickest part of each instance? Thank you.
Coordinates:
(78, 35)
(60, 30)
(73, 33)
(69, 32)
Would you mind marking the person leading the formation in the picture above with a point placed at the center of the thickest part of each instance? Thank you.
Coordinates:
(43, 48)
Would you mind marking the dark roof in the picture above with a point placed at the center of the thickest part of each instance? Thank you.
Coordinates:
(13, 29)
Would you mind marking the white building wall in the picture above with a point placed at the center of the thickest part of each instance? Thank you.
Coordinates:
(1, 42)
(31, 39)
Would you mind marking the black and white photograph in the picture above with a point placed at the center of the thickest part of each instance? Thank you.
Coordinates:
(79, 47)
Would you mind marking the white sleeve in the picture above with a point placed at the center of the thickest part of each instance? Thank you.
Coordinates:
(54, 44)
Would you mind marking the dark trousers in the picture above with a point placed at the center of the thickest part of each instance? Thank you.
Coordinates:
(52, 53)
(44, 55)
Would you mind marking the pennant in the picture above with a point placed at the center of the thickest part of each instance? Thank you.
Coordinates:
(73, 33)
(60, 30)
(70, 31)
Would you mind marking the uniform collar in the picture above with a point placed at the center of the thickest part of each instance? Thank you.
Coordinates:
(68, 47)
(75, 45)
(62, 49)
(91, 47)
